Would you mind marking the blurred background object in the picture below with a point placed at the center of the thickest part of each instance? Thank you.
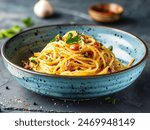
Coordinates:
(43, 9)
(106, 12)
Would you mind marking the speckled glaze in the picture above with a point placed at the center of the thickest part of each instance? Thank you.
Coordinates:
(125, 46)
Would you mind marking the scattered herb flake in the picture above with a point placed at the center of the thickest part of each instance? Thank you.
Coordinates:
(27, 22)
(56, 38)
(73, 40)
(16, 28)
(107, 98)
(110, 48)
(33, 61)
(53, 39)
(8, 33)
(86, 54)
(1, 35)
(110, 100)
(49, 59)
(69, 36)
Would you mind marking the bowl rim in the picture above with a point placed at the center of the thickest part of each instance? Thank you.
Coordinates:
(67, 76)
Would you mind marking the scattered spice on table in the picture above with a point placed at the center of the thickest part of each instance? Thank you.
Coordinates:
(35, 104)
(7, 88)
(18, 100)
(111, 100)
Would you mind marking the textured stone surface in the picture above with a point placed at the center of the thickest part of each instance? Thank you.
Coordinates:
(136, 19)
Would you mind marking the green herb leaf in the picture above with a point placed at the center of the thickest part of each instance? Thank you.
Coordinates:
(73, 40)
(49, 59)
(33, 61)
(110, 100)
(1, 35)
(53, 40)
(9, 32)
(110, 48)
(86, 54)
(27, 22)
(107, 98)
(69, 36)
(56, 38)
(15, 28)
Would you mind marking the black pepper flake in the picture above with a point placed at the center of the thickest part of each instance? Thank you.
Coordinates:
(31, 52)
(89, 29)
(60, 32)
(7, 88)
(35, 104)
(35, 33)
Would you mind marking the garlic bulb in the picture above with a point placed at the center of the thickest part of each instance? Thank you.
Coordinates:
(43, 9)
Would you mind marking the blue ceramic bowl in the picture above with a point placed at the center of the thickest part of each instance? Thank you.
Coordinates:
(125, 46)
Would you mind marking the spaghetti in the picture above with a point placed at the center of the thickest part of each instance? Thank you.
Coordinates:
(75, 54)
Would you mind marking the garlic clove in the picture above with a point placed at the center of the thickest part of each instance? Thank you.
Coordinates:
(43, 9)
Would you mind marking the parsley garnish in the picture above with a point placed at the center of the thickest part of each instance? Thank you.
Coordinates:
(56, 38)
(1, 35)
(49, 59)
(33, 61)
(16, 28)
(69, 37)
(72, 40)
(111, 100)
(86, 54)
(27, 22)
(8, 33)
(110, 48)
(53, 39)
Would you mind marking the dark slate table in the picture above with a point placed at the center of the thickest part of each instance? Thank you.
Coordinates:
(135, 98)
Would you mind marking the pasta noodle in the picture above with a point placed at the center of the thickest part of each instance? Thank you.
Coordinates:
(75, 54)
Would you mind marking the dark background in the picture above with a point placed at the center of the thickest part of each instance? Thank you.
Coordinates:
(136, 19)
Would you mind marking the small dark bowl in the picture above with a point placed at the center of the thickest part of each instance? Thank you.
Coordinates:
(106, 12)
